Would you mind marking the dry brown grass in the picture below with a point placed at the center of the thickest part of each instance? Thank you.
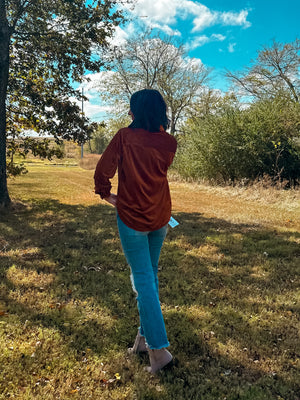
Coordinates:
(89, 161)
(261, 206)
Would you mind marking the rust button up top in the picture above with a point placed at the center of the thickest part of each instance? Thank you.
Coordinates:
(142, 159)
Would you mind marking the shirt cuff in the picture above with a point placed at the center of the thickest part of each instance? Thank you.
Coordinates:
(103, 192)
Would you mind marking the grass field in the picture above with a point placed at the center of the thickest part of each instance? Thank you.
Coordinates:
(229, 286)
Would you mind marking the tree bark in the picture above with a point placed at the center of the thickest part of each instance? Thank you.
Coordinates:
(4, 69)
(172, 127)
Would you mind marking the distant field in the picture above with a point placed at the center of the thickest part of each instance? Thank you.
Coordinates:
(89, 161)
(229, 284)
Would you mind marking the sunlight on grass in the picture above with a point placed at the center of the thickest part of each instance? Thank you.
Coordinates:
(21, 277)
(229, 285)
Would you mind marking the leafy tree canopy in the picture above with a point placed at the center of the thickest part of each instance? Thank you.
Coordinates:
(45, 47)
(52, 44)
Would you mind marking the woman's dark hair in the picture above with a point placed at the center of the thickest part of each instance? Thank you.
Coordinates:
(149, 110)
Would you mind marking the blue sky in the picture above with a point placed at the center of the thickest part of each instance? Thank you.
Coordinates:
(223, 34)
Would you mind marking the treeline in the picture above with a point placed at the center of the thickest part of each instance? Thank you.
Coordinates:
(254, 131)
(245, 134)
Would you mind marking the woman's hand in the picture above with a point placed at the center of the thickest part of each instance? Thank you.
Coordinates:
(112, 199)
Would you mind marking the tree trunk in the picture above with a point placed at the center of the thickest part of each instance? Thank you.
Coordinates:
(172, 128)
(4, 69)
(172, 124)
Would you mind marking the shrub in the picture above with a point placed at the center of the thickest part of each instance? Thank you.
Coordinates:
(237, 144)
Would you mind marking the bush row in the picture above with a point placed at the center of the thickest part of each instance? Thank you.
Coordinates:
(234, 143)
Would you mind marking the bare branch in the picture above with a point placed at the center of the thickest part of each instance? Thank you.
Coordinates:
(277, 69)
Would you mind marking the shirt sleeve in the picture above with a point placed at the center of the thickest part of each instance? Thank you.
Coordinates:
(173, 151)
(107, 167)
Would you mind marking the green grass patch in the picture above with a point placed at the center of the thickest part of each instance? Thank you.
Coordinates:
(229, 293)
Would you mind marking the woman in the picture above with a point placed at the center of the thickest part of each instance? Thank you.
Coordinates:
(142, 153)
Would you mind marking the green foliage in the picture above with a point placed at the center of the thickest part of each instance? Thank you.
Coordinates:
(38, 147)
(104, 132)
(52, 44)
(15, 169)
(234, 144)
(99, 139)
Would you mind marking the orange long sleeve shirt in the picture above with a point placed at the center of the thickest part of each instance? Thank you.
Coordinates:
(142, 159)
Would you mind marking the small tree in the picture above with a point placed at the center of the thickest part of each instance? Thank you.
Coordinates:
(104, 131)
(150, 61)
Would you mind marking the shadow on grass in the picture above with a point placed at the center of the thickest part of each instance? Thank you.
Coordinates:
(228, 293)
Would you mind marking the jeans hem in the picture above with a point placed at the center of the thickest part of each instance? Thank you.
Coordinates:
(141, 334)
(158, 348)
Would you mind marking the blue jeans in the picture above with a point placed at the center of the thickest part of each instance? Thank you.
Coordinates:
(142, 250)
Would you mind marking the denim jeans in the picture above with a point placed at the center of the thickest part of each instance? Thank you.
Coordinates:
(142, 250)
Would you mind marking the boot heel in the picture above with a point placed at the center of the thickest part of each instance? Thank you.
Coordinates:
(160, 359)
(139, 345)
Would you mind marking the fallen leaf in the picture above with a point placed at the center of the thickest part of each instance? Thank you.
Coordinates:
(3, 313)
(103, 382)
(227, 372)
(58, 306)
(107, 382)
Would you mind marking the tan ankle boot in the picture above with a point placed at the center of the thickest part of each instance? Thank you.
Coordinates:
(159, 359)
(139, 345)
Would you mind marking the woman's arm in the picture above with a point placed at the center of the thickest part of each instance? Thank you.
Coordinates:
(106, 167)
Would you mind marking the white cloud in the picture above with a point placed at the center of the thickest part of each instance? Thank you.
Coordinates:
(93, 107)
(210, 18)
(203, 39)
(93, 81)
(165, 28)
(157, 11)
(230, 18)
(119, 37)
(95, 110)
(165, 13)
(193, 62)
(231, 47)
(218, 37)
(204, 19)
